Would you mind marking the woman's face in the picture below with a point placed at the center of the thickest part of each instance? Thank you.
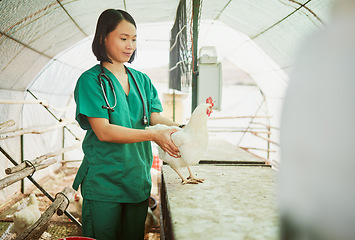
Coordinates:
(121, 42)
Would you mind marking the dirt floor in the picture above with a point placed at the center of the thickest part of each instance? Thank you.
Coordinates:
(60, 226)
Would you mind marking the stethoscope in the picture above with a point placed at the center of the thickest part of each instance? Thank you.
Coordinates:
(108, 106)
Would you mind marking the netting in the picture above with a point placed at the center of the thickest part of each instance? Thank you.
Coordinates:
(181, 48)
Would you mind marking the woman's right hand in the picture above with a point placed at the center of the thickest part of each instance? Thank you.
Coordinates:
(163, 139)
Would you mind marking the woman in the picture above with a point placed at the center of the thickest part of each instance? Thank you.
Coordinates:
(115, 172)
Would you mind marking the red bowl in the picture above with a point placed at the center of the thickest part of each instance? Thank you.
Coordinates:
(76, 238)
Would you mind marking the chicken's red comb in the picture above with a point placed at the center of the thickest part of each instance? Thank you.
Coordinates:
(210, 101)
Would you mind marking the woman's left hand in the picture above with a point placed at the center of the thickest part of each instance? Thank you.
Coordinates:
(163, 139)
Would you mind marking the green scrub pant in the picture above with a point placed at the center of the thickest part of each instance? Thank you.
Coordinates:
(114, 221)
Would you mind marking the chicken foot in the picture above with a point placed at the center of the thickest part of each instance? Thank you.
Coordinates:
(184, 180)
(193, 178)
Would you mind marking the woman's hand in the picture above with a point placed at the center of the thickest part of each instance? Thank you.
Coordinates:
(163, 139)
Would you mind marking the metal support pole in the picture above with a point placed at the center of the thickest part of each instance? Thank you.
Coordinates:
(63, 142)
(22, 159)
(195, 12)
(40, 187)
(268, 143)
(59, 120)
(174, 105)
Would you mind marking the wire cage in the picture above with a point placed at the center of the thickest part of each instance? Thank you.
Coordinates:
(181, 49)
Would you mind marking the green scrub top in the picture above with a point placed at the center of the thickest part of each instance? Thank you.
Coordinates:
(114, 172)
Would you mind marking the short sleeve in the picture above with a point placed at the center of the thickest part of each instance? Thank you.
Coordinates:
(154, 100)
(89, 100)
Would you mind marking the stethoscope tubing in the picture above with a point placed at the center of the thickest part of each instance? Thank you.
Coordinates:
(100, 76)
(108, 106)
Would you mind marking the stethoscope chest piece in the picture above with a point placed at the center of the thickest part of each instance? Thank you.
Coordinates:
(145, 120)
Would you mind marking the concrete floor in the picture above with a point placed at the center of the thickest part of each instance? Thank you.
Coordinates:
(236, 201)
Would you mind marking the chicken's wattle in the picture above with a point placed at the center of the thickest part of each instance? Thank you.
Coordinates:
(209, 100)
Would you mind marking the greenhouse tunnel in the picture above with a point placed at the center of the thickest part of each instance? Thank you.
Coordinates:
(45, 45)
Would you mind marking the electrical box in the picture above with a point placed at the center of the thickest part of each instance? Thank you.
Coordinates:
(209, 80)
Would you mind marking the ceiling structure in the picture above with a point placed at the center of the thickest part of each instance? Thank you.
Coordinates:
(34, 32)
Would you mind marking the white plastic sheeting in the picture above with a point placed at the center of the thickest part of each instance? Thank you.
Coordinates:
(36, 31)
(34, 34)
(274, 25)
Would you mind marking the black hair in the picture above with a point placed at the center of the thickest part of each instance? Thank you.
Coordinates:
(107, 22)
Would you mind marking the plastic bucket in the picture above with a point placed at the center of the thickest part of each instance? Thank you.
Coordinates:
(152, 203)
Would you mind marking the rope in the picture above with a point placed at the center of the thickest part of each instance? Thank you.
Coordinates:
(125, 6)
(25, 45)
(64, 196)
(71, 18)
(219, 14)
(177, 64)
(59, 120)
(30, 164)
(267, 29)
(176, 38)
(309, 10)
(39, 187)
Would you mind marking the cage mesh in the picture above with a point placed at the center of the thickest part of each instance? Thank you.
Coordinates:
(181, 48)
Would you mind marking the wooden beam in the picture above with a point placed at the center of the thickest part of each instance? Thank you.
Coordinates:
(259, 149)
(7, 181)
(266, 125)
(69, 193)
(7, 124)
(265, 160)
(33, 130)
(36, 230)
(41, 158)
(236, 117)
(14, 101)
(257, 135)
(238, 130)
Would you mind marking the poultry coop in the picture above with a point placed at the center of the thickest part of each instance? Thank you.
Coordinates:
(52, 35)
(58, 226)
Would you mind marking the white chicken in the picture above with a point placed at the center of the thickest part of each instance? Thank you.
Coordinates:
(26, 216)
(191, 140)
(78, 204)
